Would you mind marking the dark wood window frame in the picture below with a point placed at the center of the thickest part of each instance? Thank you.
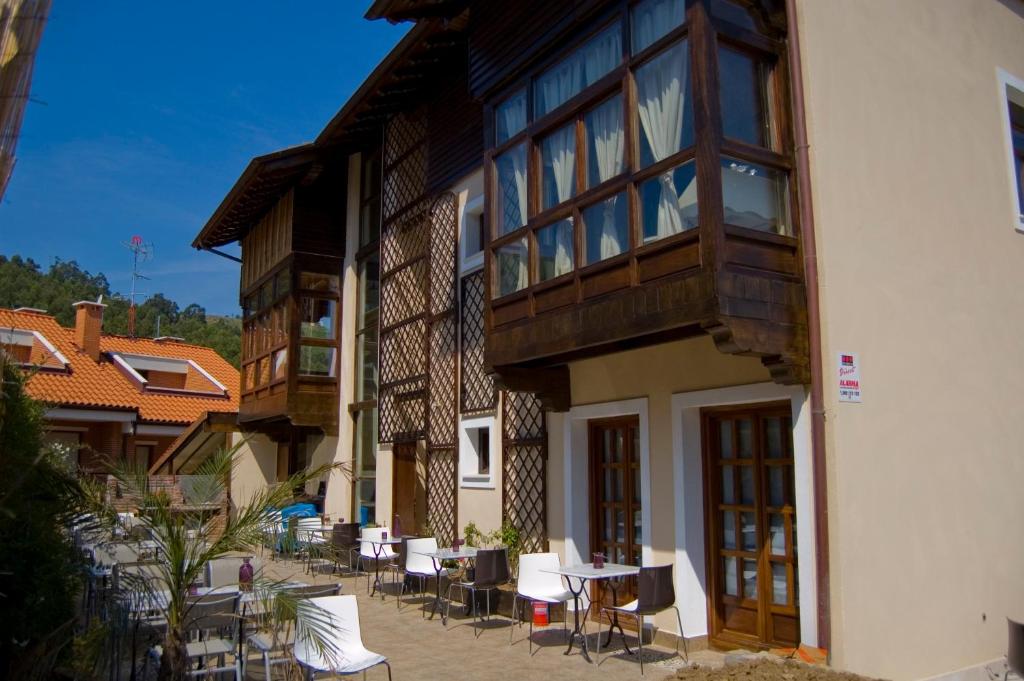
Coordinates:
(705, 34)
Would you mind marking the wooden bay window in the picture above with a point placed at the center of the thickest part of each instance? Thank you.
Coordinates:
(661, 135)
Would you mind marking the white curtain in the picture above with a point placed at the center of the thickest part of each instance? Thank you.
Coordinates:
(602, 54)
(653, 19)
(514, 115)
(605, 125)
(512, 169)
(561, 152)
(660, 91)
(558, 85)
(511, 116)
(512, 267)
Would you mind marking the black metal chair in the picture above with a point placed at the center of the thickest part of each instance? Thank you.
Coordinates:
(1015, 649)
(655, 592)
(491, 571)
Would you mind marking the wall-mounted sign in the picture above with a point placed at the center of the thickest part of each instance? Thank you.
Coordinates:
(849, 377)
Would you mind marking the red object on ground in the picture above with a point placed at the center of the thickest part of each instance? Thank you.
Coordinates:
(540, 614)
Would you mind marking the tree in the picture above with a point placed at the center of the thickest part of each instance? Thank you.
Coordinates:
(39, 568)
(185, 553)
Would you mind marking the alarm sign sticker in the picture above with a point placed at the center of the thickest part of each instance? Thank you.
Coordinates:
(849, 377)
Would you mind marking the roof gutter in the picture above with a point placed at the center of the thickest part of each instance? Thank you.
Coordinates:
(807, 240)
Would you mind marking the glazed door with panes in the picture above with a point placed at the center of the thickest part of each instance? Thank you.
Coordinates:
(751, 527)
(616, 529)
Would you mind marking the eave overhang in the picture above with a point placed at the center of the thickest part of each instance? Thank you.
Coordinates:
(393, 86)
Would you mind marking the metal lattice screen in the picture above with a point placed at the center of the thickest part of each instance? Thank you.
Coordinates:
(524, 467)
(477, 393)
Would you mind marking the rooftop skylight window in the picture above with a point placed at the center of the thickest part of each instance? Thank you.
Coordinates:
(168, 374)
(31, 349)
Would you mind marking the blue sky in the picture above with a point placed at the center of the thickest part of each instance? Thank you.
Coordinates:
(147, 114)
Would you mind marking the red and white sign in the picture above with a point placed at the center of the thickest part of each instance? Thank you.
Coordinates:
(849, 377)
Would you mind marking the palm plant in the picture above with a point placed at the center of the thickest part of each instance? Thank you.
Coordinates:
(187, 538)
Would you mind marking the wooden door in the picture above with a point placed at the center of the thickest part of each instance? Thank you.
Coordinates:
(615, 504)
(404, 488)
(751, 527)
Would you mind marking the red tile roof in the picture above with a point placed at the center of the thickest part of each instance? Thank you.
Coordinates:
(103, 385)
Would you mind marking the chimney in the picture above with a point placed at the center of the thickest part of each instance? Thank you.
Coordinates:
(88, 324)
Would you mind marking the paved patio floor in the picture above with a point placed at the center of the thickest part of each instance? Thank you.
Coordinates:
(424, 649)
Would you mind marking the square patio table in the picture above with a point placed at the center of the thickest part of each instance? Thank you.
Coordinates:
(438, 558)
(378, 548)
(583, 574)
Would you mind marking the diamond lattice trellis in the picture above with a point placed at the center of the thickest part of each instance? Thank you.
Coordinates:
(524, 456)
(477, 388)
(442, 485)
(523, 487)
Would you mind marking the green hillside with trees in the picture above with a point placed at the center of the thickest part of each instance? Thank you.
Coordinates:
(23, 283)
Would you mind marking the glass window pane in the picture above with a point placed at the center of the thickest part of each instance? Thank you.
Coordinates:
(733, 13)
(725, 439)
(749, 579)
(745, 432)
(668, 202)
(773, 438)
(653, 19)
(780, 586)
(749, 531)
(606, 141)
(558, 163)
(607, 228)
(510, 168)
(317, 318)
(314, 281)
(371, 175)
(741, 87)
(367, 501)
(369, 222)
(366, 441)
(728, 486)
(316, 360)
(729, 570)
(776, 486)
(369, 292)
(284, 282)
(267, 294)
(747, 485)
(582, 68)
(512, 268)
(554, 250)
(510, 117)
(366, 364)
(728, 530)
(777, 534)
(664, 106)
(755, 197)
(280, 364)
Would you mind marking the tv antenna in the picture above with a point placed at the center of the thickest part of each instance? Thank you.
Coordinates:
(141, 252)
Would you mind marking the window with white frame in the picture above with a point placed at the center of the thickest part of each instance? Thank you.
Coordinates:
(31, 349)
(472, 237)
(168, 374)
(478, 452)
(1012, 93)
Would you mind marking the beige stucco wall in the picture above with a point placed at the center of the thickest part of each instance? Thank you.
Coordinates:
(654, 373)
(255, 468)
(922, 276)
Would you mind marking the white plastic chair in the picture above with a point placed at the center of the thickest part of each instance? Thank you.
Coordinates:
(267, 642)
(344, 652)
(419, 565)
(537, 585)
(311, 539)
(368, 551)
(224, 571)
